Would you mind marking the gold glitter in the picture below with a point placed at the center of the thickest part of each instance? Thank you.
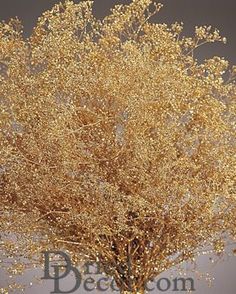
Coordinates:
(115, 143)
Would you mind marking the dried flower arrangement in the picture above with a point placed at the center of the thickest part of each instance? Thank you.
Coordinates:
(115, 143)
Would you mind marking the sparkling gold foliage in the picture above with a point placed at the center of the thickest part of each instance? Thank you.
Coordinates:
(116, 144)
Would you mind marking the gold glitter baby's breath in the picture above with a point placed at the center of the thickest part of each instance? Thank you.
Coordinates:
(115, 143)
